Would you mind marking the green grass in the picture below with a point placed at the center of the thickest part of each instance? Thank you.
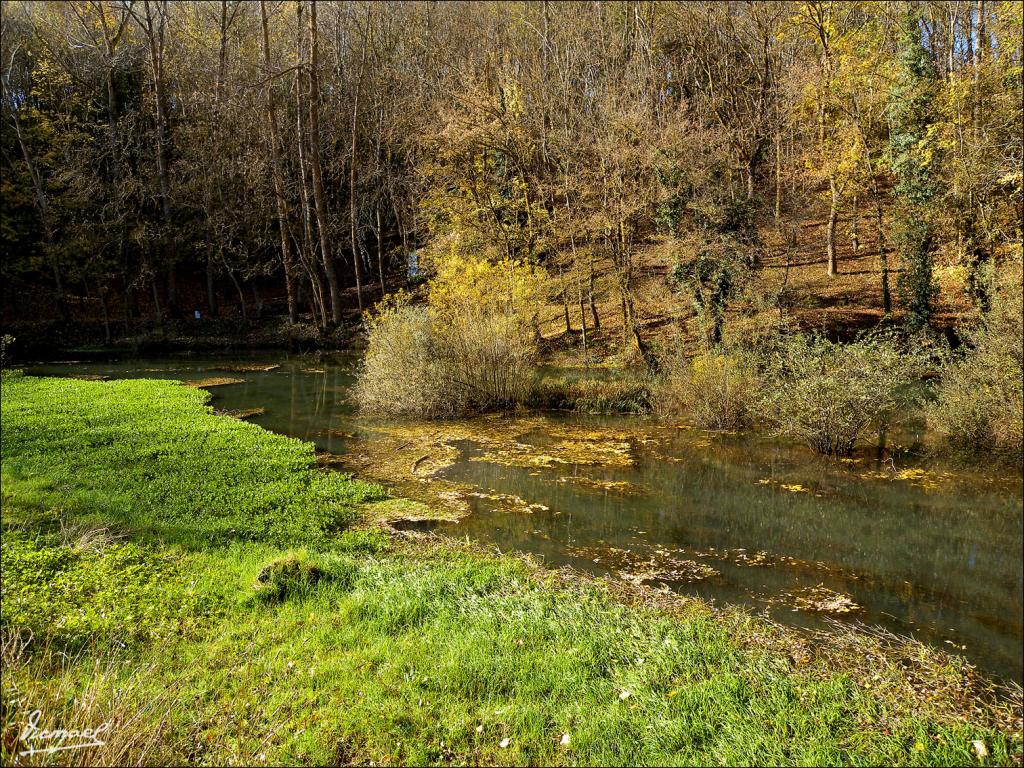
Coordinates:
(137, 525)
(147, 455)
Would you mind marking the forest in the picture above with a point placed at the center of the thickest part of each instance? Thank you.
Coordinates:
(302, 159)
(511, 382)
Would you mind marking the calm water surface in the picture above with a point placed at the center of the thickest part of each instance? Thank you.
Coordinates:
(938, 556)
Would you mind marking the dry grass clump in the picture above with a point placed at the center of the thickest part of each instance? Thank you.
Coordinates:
(111, 713)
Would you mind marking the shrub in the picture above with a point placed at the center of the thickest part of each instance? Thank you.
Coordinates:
(828, 394)
(980, 403)
(6, 342)
(427, 364)
(714, 390)
(286, 577)
(399, 375)
(488, 360)
(592, 395)
(610, 396)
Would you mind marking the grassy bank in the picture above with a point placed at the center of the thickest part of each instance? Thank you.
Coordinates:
(195, 581)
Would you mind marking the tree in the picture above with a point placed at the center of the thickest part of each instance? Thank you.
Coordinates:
(914, 160)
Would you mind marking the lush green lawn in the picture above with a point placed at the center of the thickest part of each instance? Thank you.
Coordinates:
(137, 527)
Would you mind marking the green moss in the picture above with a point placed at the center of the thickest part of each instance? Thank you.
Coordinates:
(287, 576)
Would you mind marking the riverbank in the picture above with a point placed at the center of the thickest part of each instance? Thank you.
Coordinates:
(141, 533)
(92, 340)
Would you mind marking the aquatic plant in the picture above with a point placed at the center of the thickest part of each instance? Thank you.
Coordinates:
(151, 455)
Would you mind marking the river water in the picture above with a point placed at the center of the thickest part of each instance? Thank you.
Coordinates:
(920, 546)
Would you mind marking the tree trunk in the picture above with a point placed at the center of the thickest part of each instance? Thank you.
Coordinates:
(43, 210)
(830, 234)
(106, 317)
(565, 299)
(854, 230)
(257, 299)
(583, 319)
(380, 250)
(778, 176)
(211, 297)
(352, 176)
(280, 199)
(751, 170)
(156, 305)
(155, 29)
(307, 248)
(241, 294)
(171, 282)
(883, 256)
(319, 199)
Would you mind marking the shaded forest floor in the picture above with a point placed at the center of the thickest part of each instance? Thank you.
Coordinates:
(793, 276)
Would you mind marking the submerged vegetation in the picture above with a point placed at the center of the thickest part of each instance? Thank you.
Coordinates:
(362, 647)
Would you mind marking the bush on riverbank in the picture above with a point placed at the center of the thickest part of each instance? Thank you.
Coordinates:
(399, 375)
(418, 366)
(828, 394)
(471, 349)
(980, 404)
(592, 395)
(714, 390)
